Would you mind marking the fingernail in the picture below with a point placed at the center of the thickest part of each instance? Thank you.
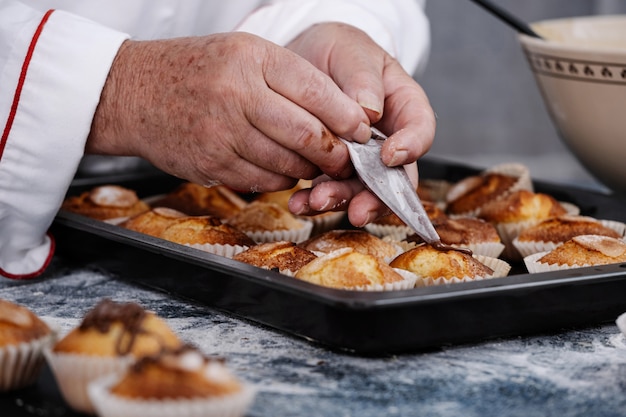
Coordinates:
(399, 158)
(371, 216)
(363, 133)
(369, 101)
(330, 204)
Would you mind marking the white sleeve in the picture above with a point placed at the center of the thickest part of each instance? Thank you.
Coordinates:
(399, 26)
(52, 70)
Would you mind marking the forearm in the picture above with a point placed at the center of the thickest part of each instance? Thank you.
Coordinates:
(52, 68)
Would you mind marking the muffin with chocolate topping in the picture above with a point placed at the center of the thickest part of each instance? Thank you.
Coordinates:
(110, 337)
(23, 336)
(181, 383)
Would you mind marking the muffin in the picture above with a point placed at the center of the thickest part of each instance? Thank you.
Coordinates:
(349, 269)
(154, 221)
(197, 200)
(357, 239)
(477, 235)
(23, 336)
(518, 211)
(468, 196)
(437, 266)
(269, 222)
(209, 234)
(579, 251)
(322, 222)
(548, 234)
(110, 337)
(393, 227)
(106, 202)
(182, 383)
(284, 257)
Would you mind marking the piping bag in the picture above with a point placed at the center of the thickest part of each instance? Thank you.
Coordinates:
(391, 185)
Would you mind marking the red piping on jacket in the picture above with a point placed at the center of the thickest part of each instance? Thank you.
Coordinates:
(7, 130)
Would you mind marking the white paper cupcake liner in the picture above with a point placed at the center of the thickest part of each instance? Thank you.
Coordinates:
(223, 250)
(393, 232)
(74, 372)
(110, 405)
(534, 266)
(21, 364)
(500, 269)
(293, 235)
(408, 282)
(325, 221)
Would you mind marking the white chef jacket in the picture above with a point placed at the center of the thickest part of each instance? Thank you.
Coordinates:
(54, 60)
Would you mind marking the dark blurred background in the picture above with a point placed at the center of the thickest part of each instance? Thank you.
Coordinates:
(479, 83)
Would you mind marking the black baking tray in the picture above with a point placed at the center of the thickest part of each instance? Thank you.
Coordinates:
(365, 323)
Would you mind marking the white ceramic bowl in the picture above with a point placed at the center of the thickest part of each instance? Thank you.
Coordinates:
(580, 69)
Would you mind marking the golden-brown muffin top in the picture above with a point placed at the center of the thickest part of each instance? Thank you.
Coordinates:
(563, 228)
(261, 216)
(106, 202)
(587, 250)
(118, 329)
(346, 268)
(153, 222)
(473, 192)
(198, 200)
(428, 262)
(183, 373)
(203, 230)
(281, 256)
(434, 213)
(357, 239)
(522, 205)
(18, 324)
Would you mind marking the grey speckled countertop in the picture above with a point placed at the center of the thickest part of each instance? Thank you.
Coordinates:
(574, 373)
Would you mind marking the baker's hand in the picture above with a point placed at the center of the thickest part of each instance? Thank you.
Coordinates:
(230, 108)
(394, 102)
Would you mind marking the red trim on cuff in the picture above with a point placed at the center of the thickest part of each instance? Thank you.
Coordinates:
(20, 84)
(40, 270)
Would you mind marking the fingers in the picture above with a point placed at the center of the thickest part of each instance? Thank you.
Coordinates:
(297, 80)
(362, 206)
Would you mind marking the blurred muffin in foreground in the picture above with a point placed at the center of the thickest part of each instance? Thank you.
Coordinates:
(182, 383)
(106, 202)
(284, 257)
(110, 337)
(349, 269)
(23, 336)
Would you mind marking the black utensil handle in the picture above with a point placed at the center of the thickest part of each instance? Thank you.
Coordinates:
(507, 17)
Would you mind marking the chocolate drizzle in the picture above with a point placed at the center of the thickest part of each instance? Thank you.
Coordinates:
(107, 312)
(438, 245)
